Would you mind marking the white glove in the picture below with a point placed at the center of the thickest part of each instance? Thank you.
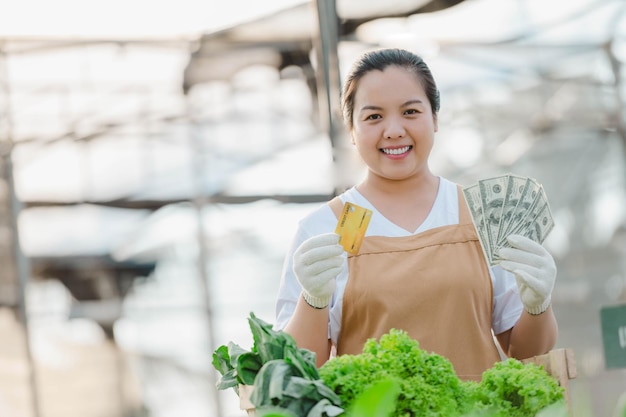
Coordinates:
(534, 270)
(316, 263)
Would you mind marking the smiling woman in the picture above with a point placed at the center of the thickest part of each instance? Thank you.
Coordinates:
(331, 301)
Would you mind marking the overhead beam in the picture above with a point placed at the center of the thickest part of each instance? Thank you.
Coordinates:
(157, 204)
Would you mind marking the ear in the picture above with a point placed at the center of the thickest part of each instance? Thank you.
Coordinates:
(435, 122)
(352, 140)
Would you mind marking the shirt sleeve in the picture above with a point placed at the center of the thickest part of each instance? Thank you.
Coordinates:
(289, 289)
(319, 221)
(507, 304)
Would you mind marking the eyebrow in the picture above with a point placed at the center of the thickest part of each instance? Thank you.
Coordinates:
(406, 103)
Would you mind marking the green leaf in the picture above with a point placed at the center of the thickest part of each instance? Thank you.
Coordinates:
(228, 380)
(379, 400)
(303, 360)
(274, 412)
(310, 358)
(315, 390)
(248, 365)
(299, 388)
(325, 408)
(269, 382)
(269, 343)
(299, 407)
(234, 351)
(554, 410)
(325, 392)
(221, 360)
(279, 379)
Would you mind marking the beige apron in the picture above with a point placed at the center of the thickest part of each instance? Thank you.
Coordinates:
(435, 285)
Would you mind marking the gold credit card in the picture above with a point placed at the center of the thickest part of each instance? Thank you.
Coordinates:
(352, 225)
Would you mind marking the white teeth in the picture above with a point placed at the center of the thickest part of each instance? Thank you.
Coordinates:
(396, 151)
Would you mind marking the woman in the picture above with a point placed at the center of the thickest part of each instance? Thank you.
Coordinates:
(420, 267)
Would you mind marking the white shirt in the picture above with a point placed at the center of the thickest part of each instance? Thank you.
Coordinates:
(507, 306)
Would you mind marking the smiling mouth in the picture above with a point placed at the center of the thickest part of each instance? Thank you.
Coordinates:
(396, 151)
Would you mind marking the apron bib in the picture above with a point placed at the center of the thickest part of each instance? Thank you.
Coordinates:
(434, 285)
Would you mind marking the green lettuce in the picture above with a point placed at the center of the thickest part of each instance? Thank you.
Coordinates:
(429, 387)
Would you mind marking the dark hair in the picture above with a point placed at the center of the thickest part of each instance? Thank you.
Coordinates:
(379, 60)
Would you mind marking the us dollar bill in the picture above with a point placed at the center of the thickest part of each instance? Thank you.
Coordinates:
(541, 226)
(538, 205)
(492, 193)
(535, 228)
(515, 188)
(526, 201)
(505, 205)
(474, 203)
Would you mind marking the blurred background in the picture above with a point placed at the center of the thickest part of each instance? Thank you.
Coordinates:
(156, 157)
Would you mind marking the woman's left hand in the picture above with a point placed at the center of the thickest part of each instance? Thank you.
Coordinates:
(534, 270)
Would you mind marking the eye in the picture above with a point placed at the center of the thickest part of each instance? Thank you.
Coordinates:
(373, 117)
(412, 111)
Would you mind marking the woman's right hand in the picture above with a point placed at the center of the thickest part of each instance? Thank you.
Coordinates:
(316, 263)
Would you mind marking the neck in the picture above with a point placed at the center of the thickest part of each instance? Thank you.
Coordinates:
(405, 203)
(406, 188)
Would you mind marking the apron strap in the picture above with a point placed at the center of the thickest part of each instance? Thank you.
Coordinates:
(336, 205)
(464, 214)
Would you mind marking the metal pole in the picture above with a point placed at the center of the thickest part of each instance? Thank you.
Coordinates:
(22, 264)
(200, 201)
(326, 43)
(616, 67)
(329, 84)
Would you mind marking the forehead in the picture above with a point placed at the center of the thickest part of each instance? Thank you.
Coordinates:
(393, 81)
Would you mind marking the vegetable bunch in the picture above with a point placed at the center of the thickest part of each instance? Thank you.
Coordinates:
(284, 376)
(428, 383)
(514, 389)
(429, 387)
(392, 377)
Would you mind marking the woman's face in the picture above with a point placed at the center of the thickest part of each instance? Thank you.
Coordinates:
(393, 123)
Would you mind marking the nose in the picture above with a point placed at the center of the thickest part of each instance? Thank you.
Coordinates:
(394, 129)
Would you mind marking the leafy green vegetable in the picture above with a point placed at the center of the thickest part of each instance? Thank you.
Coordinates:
(226, 361)
(391, 377)
(378, 400)
(516, 389)
(429, 387)
(240, 366)
(285, 377)
(274, 412)
(428, 383)
(280, 384)
(558, 409)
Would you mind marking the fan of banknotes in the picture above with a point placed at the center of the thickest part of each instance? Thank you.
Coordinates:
(505, 205)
